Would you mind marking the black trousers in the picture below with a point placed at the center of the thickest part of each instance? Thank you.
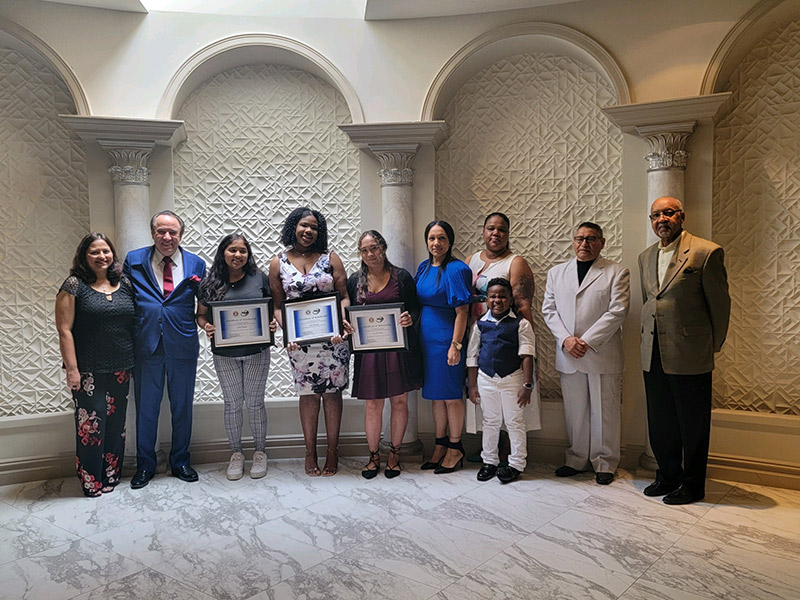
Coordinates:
(679, 423)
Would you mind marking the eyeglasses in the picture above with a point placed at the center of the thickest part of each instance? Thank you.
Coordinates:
(370, 250)
(579, 239)
(667, 212)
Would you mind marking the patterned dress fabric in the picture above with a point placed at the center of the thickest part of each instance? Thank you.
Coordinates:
(317, 368)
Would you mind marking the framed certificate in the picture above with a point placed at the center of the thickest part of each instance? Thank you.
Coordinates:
(242, 322)
(312, 320)
(376, 328)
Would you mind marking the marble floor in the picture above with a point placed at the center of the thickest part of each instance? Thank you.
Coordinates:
(449, 537)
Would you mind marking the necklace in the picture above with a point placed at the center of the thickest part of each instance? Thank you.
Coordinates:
(104, 290)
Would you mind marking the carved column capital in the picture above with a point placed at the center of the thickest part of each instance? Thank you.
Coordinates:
(667, 144)
(128, 161)
(396, 161)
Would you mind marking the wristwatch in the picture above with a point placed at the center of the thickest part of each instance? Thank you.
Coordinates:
(527, 386)
(457, 345)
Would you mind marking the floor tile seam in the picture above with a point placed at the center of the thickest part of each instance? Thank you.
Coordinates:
(507, 491)
(362, 566)
(186, 585)
(473, 532)
(587, 562)
(644, 523)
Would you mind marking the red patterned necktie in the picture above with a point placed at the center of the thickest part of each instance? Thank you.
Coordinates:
(168, 286)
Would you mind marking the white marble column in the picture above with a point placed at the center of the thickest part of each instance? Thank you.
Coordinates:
(395, 145)
(131, 179)
(397, 179)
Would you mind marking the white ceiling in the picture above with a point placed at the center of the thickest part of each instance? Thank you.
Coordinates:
(370, 10)
(416, 9)
(126, 5)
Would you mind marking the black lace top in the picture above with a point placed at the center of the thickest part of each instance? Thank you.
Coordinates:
(103, 329)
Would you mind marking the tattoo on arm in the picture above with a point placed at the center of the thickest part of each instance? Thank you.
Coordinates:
(523, 289)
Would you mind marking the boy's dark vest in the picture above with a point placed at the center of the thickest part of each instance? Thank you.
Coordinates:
(499, 346)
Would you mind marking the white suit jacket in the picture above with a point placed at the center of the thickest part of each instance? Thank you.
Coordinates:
(593, 311)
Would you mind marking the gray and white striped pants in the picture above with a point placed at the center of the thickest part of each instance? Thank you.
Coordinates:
(243, 380)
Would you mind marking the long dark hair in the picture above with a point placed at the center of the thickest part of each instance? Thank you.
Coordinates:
(80, 266)
(451, 237)
(289, 229)
(361, 287)
(215, 284)
(505, 218)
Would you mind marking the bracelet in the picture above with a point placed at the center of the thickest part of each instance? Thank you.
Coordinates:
(527, 386)
(457, 345)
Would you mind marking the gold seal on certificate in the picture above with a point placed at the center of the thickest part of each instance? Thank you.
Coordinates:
(311, 320)
(242, 322)
(376, 328)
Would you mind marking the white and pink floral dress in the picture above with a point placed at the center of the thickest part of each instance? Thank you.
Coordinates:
(318, 368)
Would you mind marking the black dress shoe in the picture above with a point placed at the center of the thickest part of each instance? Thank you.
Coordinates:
(487, 472)
(683, 495)
(659, 488)
(604, 478)
(185, 473)
(507, 474)
(141, 479)
(566, 471)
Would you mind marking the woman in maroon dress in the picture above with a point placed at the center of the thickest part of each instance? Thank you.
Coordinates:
(381, 375)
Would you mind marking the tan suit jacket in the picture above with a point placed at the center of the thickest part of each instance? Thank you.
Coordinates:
(691, 308)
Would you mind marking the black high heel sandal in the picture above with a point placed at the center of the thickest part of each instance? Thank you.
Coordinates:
(459, 463)
(374, 459)
(392, 472)
(427, 466)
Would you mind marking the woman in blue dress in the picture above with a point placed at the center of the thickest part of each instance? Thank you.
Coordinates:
(443, 289)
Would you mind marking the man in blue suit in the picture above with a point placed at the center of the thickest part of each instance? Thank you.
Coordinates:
(165, 279)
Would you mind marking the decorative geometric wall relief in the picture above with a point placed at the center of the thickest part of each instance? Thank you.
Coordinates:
(263, 140)
(527, 138)
(45, 213)
(756, 218)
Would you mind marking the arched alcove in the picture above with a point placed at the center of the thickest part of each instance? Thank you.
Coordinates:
(527, 137)
(516, 39)
(15, 36)
(246, 49)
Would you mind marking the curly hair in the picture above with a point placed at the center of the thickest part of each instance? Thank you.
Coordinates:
(289, 229)
(451, 237)
(215, 285)
(80, 266)
(361, 286)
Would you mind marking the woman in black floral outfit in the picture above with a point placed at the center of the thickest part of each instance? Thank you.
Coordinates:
(94, 317)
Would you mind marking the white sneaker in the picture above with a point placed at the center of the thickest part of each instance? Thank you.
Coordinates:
(259, 468)
(236, 466)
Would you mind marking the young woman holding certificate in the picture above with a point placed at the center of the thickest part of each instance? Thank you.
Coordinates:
(242, 370)
(381, 375)
(306, 269)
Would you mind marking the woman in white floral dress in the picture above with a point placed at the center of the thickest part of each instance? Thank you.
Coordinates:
(304, 269)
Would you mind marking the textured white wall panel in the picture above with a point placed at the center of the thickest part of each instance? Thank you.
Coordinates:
(527, 138)
(44, 213)
(263, 140)
(756, 217)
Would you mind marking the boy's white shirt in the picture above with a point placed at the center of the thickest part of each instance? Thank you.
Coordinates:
(527, 338)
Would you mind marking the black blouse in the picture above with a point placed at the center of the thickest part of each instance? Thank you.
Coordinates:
(103, 328)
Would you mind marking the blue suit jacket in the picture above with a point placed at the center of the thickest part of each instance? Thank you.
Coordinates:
(156, 317)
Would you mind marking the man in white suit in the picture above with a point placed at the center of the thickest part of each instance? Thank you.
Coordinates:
(585, 302)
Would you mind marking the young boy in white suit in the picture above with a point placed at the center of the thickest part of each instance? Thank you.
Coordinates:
(500, 356)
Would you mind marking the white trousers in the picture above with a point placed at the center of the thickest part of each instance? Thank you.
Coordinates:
(592, 414)
(499, 404)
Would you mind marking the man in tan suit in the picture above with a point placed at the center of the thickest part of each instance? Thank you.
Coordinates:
(684, 322)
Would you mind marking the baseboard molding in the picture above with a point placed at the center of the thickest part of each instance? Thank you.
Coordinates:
(759, 472)
(63, 465)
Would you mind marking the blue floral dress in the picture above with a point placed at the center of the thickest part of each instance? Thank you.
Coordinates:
(318, 368)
